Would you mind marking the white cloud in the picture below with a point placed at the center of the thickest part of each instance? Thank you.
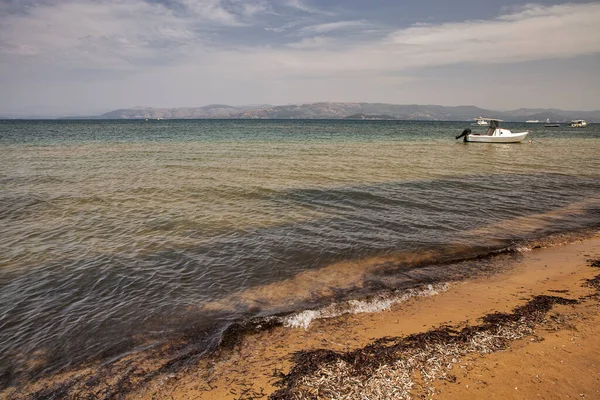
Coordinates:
(110, 34)
(252, 9)
(282, 28)
(330, 27)
(302, 6)
(211, 10)
(314, 42)
(119, 34)
(532, 33)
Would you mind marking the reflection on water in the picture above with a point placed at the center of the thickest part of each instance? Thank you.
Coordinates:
(118, 234)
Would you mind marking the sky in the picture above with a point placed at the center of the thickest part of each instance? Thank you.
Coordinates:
(85, 57)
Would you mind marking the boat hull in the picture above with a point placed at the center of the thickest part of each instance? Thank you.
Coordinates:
(505, 138)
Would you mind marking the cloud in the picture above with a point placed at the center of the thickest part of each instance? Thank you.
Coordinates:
(531, 33)
(330, 27)
(122, 34)
(116, 33)
(225, 12)
(282, 28)
(93, 34)
(315, 42)
(302, 6)
(251, 9)
(534, 33)
(208, 44)
(210, 10)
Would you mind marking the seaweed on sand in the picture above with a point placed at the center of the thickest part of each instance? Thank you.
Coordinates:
(594, 283)
(102, 384)
(233, 335)
(594, 263)
(401, 367)
(59, 391)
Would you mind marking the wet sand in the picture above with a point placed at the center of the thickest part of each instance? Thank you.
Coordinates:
(549, 353)
(560, 359)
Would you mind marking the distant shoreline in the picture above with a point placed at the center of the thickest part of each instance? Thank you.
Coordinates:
(337, 111)
(97, 119)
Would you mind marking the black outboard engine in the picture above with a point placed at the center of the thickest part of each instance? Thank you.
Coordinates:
(465, 133)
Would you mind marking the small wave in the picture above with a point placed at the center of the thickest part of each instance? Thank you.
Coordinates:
(373, 304)
(523, 249)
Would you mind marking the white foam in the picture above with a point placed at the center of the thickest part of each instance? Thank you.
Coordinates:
(374, 304)
(522, 249)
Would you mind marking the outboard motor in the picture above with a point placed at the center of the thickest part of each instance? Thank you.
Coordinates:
(465, 133)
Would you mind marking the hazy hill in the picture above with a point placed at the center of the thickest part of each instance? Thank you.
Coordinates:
(371, 117)
(324, 110)
(344, 110)
(210, 111)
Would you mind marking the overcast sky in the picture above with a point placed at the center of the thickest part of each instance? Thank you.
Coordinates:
(73, 57)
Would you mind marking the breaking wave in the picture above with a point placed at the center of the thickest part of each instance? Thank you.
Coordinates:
(377, 303)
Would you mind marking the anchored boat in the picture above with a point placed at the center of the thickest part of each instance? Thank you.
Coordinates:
(579, 123)
(480, 122)
(494, 134)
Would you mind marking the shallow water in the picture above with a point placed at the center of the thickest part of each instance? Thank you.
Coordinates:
(122, 234)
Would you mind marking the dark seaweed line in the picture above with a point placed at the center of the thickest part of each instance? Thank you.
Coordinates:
(364, 362)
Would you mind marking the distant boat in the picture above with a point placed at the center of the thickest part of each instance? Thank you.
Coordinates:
(493, 134)
(480, 122)
(533, 121)
(578, 123)
(551, 125)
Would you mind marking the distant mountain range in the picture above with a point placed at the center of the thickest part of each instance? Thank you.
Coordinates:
(349, 111)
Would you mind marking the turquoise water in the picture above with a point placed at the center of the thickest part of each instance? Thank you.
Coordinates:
(117, 235)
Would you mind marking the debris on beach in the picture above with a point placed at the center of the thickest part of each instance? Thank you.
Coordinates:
(407, 367)
(594, 263)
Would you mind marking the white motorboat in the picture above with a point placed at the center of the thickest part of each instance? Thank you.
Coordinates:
(578, 123)
(494, 134)
(480, 122)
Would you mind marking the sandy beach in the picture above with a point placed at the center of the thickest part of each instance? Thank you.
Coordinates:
(526, 333)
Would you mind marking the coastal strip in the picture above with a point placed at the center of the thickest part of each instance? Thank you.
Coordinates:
(527, 332)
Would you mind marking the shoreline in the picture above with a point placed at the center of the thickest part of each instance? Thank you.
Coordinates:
(253, 368)
(255, 362)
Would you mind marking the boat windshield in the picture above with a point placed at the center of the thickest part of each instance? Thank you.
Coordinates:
(493, 126)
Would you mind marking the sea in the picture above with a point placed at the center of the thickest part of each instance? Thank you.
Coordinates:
(121, 236)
